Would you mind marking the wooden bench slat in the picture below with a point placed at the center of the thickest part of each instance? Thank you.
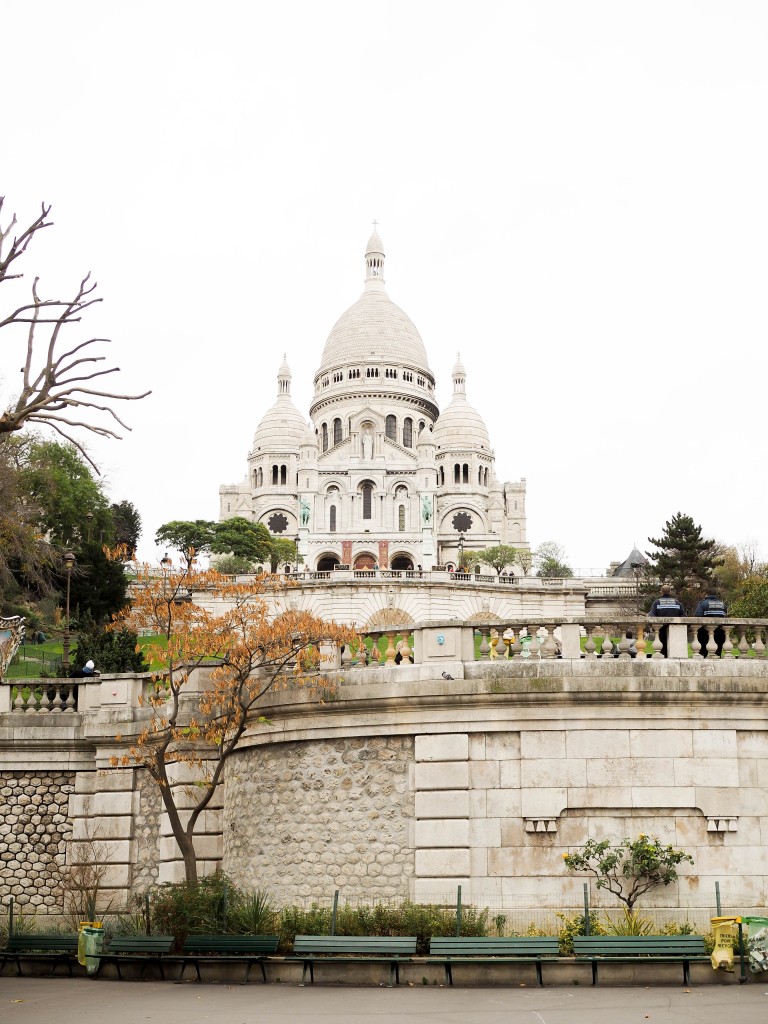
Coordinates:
(45, 946)
(681, 949)
(454, 949)
(312, 949)
(244, 949)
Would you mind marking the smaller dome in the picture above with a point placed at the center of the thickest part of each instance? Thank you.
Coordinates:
(282, 427)
(460, 427)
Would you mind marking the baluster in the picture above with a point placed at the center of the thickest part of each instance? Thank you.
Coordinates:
(509, 638)
(19, 702)
(484, 648)
(606, 646)
(656, 644)
(405, 650)
(743, 642)
(492, 652)
(624, 645)
(57, 702)
(758, 646)
(727, 643)
(711, 642)
(694, 641)
(535, 646)
(589, 646)
(501, 646)
(549, 646)
(640, 641)
(69, 703)
(391, 651)
(516, 649)
(375, 652)
(346, 656)
(44, 702)
(362, 652)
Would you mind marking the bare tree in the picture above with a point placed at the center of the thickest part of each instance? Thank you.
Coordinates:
(62, 382)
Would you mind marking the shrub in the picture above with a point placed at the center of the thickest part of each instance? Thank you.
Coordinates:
(628, 923)
(573, 926)
(407, 918)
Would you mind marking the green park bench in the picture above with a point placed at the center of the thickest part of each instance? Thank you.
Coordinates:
(44, 946)
(634, 949)
(246, 949)
(142, 949)
(338, 949)
(489, 950)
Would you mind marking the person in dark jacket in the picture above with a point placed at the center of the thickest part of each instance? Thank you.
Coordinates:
(711, 607)
(665, 606)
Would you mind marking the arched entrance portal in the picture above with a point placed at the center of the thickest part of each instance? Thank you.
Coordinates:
(402, 562)
(326, 562)
(364, 561)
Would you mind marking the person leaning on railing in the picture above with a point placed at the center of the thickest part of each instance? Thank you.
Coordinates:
(711, 607)
(668, 607)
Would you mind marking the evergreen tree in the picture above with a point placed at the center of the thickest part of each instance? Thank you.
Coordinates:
(684, 559)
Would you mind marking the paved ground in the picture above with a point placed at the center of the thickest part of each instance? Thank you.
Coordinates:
(80, 1001)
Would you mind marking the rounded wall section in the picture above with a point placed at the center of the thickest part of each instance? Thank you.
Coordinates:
(301, 819)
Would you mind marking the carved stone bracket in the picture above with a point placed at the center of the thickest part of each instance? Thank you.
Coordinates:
(541, 824)
(722, 824)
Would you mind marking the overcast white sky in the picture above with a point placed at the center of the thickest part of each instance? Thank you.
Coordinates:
(574, 194)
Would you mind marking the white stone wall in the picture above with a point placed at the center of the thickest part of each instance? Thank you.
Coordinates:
(302, 819)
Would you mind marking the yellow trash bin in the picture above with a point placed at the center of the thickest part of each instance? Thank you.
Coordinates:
(726, 934)
(89, 944)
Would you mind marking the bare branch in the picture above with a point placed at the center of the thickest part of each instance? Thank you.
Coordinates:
(58, 383)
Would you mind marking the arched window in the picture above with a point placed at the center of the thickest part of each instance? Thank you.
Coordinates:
(274, 475)
(485, 478)
(336, 431)
(457, 473)
(422, 424)
(325, 436)
(367, 500)
(283, 475)
(465, 474)
(391, 429)
(442, 476)
(261, 477)
(480, 476)
(255, 478)
(408, 432)
(401, 518)
(332, 519)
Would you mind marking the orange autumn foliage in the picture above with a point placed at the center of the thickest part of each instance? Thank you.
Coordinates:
(204, 618)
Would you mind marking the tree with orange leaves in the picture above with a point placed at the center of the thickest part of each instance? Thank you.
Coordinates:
(248, 650)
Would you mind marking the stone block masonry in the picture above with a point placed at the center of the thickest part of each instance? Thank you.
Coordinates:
(303, 819)
(34, 830)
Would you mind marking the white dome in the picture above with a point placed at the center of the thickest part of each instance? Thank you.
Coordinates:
(374, 329)
(282, 427)
(460, 427)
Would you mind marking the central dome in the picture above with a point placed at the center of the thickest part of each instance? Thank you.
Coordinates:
(374, 328)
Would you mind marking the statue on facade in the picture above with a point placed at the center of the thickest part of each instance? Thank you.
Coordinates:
(426, 509)
(305, 510)
(367, 444)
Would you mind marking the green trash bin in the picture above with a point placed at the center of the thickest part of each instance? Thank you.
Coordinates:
(757, 943)
(90, 941)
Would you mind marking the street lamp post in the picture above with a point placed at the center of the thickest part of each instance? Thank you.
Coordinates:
(69, 564)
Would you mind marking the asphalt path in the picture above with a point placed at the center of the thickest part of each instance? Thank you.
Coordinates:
(84, 1000)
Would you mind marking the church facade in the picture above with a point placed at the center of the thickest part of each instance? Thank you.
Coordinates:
(382, 478)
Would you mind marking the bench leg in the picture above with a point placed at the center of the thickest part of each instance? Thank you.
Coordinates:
(686, 973)
(538, 973)
(594, 972)
(448, 974)
(310, 965)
